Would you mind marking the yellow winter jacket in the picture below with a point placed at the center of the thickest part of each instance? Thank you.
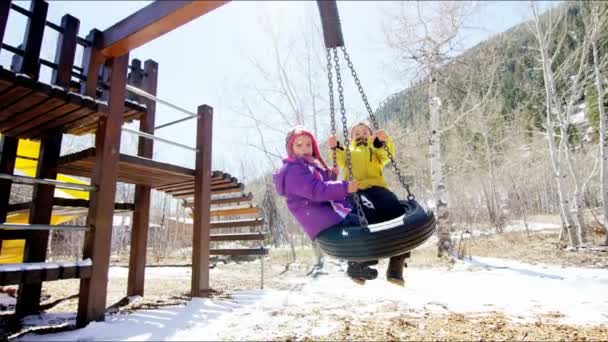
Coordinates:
(367, 163)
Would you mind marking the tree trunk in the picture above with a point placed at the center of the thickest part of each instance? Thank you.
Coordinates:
(556, 163)
(493, 196)
(603, 142)
(437, 180)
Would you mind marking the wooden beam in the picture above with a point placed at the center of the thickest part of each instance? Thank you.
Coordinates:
(202, 203)
(141, 215)
(28, 300)
(92, 60)
(236, 211)
(240, 251)
(152, 22)
(238, 237)
(92, 301)
(237, 223)
(30, 63)
(8, 154)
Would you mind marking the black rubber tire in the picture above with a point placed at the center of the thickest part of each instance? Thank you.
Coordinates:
(418, 226)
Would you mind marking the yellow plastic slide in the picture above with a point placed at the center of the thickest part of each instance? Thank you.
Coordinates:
(12, 250)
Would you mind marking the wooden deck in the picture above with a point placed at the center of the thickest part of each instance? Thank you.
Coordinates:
(68, 207)
(29, 109)
(172, 179)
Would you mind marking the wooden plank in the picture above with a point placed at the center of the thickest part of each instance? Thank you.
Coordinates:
(240, 251)
(238, 237)
(67, 108)
(67, 202)
(189, 186)
(214, 187)
(28, 298)
(50, 105)
(19, 274)
(30, 63)
(141, 215)
(15, 94)
(217, 176)
(152, 22)
(202, 203)
(216, 190)
(236, 223)
(229, 200)
(92, 296)
(131, 169)
(58, 124)
(23, 105)
(236, 211)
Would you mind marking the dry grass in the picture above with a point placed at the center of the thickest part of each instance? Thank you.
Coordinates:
(458, 327)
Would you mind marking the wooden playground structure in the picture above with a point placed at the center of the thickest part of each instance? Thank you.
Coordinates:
(97, 96)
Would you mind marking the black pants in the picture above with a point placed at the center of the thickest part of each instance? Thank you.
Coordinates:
(378, 204)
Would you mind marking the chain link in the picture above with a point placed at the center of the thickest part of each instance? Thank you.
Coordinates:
(402, 180)
(360, 213)
(332, 113)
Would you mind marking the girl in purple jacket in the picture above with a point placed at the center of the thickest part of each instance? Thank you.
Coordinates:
(314, 197)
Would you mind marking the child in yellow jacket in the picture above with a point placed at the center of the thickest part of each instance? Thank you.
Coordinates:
(368, 158)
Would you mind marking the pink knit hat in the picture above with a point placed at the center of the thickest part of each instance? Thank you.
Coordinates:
(297, 131)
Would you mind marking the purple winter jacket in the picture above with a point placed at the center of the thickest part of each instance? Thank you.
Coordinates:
(314, 200)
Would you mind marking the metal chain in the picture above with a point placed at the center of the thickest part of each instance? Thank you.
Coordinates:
(402, 180)
(360, 213)
(332, 113)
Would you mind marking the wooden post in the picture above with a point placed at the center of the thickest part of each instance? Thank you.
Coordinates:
(202, 203)
(92, 60)
(8, 150)
(30, 63)
(5, 8)
(28, 301)
(141, 214)
(93, 291)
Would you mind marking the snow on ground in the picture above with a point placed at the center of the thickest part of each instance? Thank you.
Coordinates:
(314, 306)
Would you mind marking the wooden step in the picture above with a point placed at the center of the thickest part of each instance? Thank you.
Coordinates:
(240, 251)
(238, 237)
(216, 177)
(236, 211)
(28, 273)
(228, 200)
(236, 189)
(256, 222)
(215, 189)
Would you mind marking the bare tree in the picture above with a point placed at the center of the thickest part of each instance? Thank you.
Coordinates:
(431, 40)
(599, 25)
(289, 94)
(551, 35)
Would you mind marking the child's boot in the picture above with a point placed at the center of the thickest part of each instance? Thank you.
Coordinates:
(394, 272)
(359, 272)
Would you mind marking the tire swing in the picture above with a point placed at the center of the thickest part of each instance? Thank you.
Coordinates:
(367, 241)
